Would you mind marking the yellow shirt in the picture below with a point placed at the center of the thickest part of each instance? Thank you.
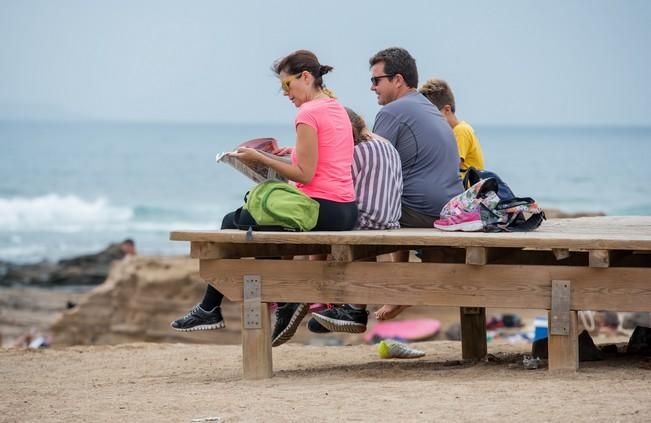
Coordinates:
(469, 148)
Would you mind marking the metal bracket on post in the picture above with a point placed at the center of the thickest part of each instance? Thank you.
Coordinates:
(560, 313)
(252, 296)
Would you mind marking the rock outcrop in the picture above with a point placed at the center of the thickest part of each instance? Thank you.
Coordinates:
(89, 269)
(137, 302)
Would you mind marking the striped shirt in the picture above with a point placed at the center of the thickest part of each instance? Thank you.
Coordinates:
(377, 176)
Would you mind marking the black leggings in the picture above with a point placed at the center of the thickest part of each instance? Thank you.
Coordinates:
(333, 216)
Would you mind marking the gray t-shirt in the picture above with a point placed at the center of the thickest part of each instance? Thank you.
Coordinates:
(428, 151)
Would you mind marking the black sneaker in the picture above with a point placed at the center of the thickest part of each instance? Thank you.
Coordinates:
(343, 319)
(200, 319)
(316, 327)
(288, 317)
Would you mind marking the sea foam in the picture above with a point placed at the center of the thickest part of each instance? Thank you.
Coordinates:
(60, 213)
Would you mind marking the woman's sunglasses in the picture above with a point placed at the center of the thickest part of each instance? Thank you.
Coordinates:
(284, 83)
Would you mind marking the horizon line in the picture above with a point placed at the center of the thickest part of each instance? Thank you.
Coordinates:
(277, 123)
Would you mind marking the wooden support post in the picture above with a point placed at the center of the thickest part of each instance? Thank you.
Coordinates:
(473, 333)
(599, 258)
(564, 349)
(476, 255)
(256, 332)
(343, 253)
(563, 338)
(560, 253)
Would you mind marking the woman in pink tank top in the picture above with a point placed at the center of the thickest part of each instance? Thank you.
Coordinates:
(320, 167)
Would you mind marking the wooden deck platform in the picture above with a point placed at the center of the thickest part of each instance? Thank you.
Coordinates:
(597, 263)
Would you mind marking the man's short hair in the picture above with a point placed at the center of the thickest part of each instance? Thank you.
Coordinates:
(438, 92)
(398, 61)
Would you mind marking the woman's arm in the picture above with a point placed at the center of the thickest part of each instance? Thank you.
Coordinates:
(306, 156)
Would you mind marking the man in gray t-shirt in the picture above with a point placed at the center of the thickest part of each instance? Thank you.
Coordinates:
(424, 140)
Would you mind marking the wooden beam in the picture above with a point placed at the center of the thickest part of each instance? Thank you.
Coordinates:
(599, 258)
(213, 250)
(433, 284)
(256, 347)
(473, 333)
(564, 349)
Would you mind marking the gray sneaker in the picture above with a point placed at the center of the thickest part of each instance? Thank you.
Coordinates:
(288, 317)
(200, 319)
(342, 318)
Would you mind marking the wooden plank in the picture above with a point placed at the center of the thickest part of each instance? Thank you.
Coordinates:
(214, 250)
(477, 256)
(473, 333)
(624, 289)
(598, 233)
(564, 349)
(599, 258)
(256, 347)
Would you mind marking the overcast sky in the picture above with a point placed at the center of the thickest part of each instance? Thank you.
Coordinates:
(509, 62)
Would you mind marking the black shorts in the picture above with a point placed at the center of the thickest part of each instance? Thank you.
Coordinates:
(413, 219)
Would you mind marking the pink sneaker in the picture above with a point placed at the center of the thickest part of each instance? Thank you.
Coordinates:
(466, 221)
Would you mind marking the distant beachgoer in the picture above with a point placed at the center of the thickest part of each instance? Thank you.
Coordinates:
(111, 253)
(33, 339)
(439, 93)
(377, 176)
(320, 167)
(128, 247)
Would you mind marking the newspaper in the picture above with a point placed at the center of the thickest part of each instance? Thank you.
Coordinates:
(256, 171)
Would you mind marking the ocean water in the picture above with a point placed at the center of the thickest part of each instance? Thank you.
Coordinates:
(71, 188)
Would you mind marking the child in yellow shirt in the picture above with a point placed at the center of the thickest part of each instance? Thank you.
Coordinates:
(439, 93)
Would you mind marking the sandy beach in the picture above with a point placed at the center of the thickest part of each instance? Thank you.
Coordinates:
(178, 383)
(114, 376)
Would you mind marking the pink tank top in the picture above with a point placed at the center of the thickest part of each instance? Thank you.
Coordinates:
(333, 177)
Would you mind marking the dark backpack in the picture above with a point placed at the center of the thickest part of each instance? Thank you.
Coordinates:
(510, 214)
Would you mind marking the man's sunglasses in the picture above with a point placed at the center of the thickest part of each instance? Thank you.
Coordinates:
(376, 79)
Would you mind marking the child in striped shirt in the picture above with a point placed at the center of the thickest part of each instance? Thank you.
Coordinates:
(377, 177)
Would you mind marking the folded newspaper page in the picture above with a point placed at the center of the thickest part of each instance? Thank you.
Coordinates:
(256, 171)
